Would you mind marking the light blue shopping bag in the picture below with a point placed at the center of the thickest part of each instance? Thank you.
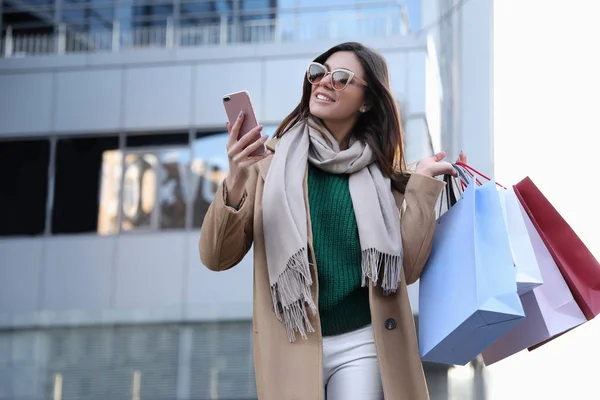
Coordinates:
(468, 291)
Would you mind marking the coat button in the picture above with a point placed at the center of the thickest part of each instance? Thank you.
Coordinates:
(390, 324)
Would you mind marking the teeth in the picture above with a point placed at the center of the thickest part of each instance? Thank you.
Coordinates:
(321, 97)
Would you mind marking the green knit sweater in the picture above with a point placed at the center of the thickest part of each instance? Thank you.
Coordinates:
(343, 303)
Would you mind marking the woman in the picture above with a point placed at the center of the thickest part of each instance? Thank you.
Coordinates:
(332, 254)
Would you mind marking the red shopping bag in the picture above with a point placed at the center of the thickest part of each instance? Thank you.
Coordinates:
(578, 266)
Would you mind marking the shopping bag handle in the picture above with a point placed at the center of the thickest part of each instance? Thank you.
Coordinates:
(474, 171)
(464, 176)
(447, 194)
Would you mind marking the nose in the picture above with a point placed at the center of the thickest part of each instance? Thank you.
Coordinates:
(326, 80)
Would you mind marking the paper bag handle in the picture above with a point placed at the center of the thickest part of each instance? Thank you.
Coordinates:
(474, 171)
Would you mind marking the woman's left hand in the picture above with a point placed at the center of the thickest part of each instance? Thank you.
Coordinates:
(434, 165)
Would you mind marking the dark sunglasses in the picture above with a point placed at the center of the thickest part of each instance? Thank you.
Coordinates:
(340, 78)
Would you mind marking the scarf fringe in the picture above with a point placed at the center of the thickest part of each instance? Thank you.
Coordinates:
(372, 263)
(291, 292)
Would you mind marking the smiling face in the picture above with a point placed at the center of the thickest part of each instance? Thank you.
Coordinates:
(335, 106)
(380, 126)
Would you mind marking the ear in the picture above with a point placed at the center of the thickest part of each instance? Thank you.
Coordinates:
(364, 108)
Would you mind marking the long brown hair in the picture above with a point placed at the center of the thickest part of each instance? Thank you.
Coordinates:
(380, 127)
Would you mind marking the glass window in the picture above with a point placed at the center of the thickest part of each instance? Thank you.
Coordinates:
(251, 7)
(151, 14)
(257, 22)
(165, 139)
(108, 211)
(74, 15)
(173, 188)
(77, 183)
(160, 183)
(101, 18)
(313, 19)
(414, 14)
(200, 21)
(139, 190)
(221, 361)
(208, 169)
(27, 23)
(155, 189)
(24, 177)
(195, 12)
(88, 15)
(90, 25)
(143, 24)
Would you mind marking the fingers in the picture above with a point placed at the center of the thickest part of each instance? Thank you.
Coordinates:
(452, 171)
(234, 130)
(444, 168)
(239, 145)
(252, 160)
(245, 153)
(462, 157)
(439, 156)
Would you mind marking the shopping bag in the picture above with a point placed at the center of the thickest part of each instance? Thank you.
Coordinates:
(578, 266)
(526, 265)
(468, 291)
(550, 309)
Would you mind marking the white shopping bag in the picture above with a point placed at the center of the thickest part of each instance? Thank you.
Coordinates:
(550, 309)
(526, 265)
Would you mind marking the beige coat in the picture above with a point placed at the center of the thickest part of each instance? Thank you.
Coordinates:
(293, 371)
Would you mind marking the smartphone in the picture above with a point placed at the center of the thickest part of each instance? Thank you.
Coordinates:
(240, 101)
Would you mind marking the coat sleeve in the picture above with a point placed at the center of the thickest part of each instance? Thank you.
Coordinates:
(227, 233)
(417, 209)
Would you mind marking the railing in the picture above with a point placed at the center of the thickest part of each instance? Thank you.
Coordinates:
(284, 28)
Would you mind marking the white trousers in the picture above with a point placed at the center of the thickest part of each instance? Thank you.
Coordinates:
(350, 368)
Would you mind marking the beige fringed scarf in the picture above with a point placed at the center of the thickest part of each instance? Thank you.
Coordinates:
(285, 223)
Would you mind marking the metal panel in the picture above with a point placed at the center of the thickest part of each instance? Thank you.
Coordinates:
(107, 363)
(158, 97)
(88, 100)
(25, 103)
(221, 364)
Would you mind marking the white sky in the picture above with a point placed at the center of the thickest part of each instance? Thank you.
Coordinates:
(547, 126)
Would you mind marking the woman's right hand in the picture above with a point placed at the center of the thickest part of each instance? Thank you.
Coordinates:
(240, 158)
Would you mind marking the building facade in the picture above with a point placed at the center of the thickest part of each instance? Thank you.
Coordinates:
(112, 143)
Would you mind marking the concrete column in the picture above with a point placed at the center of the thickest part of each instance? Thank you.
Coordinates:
(479, 389)
(475, 85)
(57, 14)
(184, 364)
(437, 382)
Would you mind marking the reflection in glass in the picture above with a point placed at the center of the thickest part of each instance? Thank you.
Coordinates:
(139, 190)
(208, 169)
(154, 190)
(88, 15)
(109, 192)
(175, 164)
(159, 184)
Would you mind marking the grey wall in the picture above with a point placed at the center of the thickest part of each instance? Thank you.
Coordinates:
(88, 279)
(174, 89)
(154, 277)
(137, 278)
